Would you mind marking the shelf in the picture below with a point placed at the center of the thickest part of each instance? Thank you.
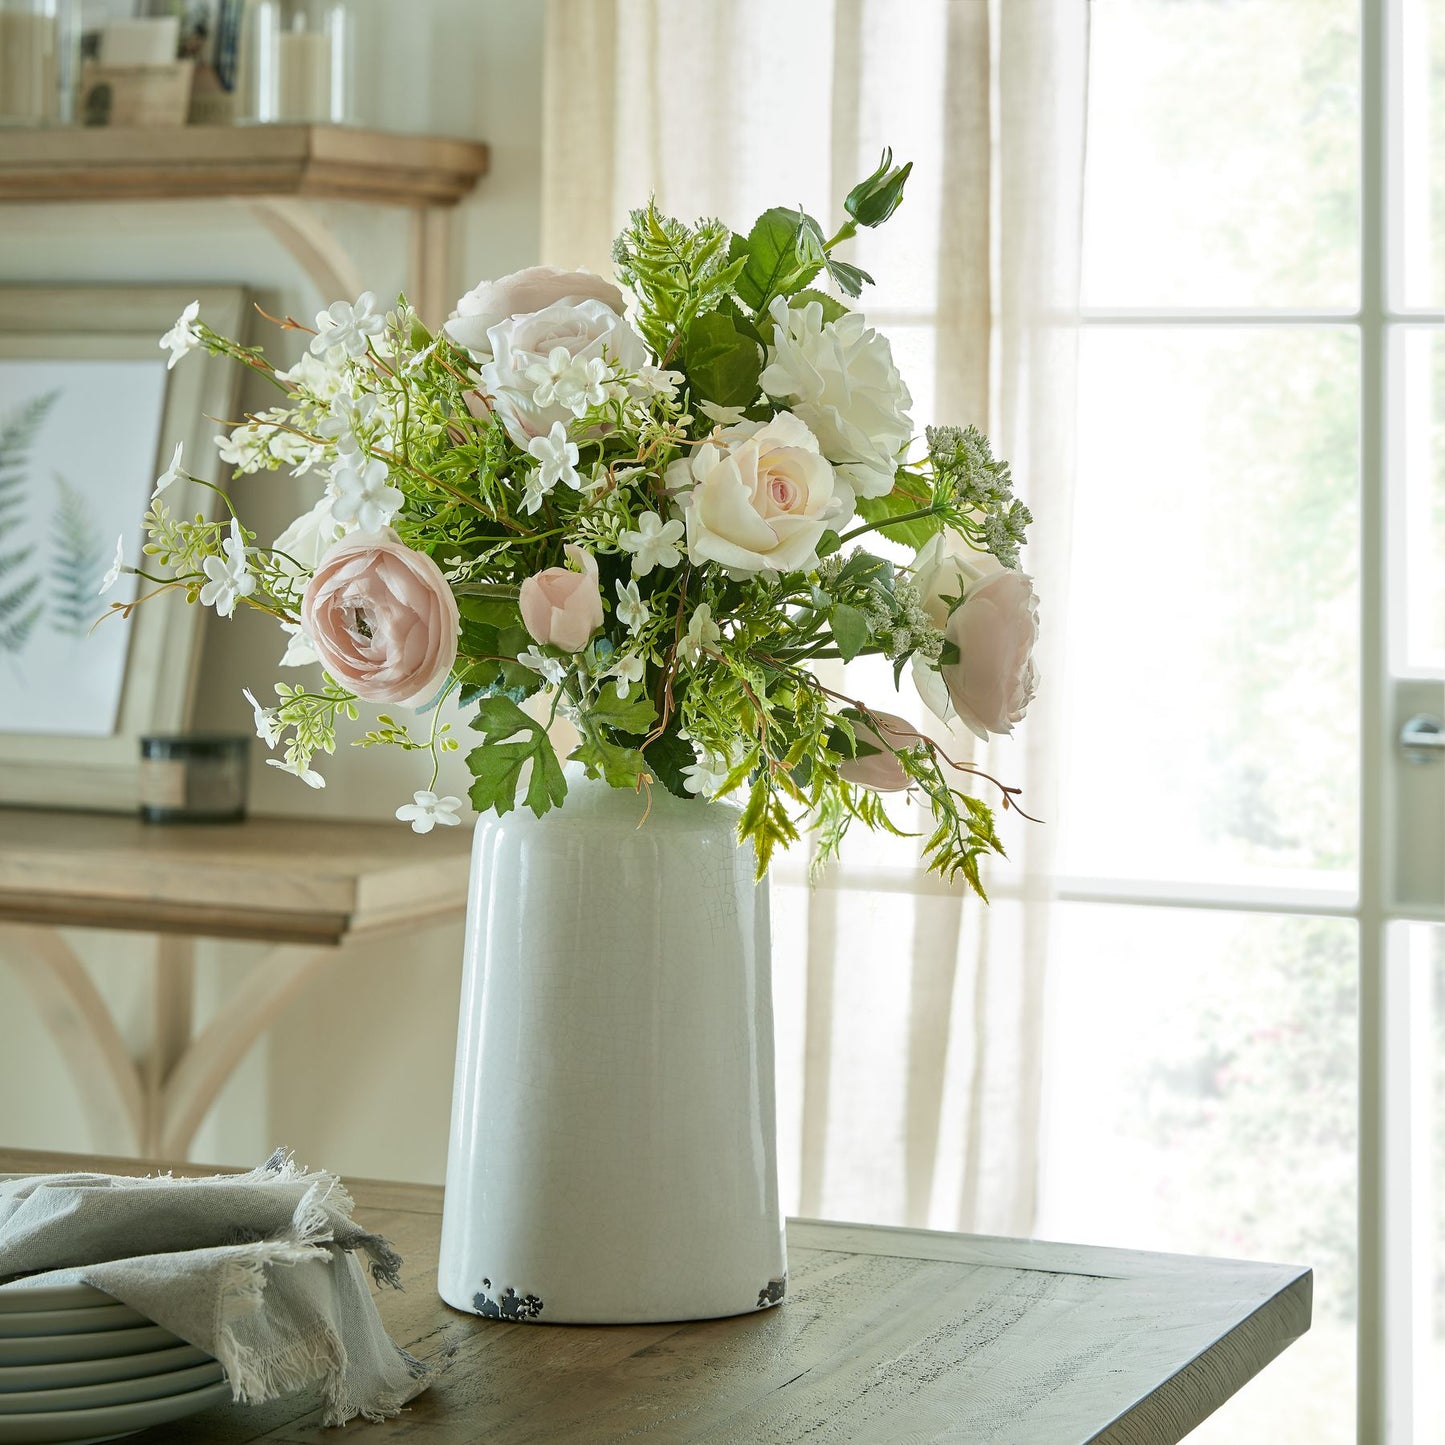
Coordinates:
(316, 161)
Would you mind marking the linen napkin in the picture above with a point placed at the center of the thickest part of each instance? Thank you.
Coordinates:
(260, 1270)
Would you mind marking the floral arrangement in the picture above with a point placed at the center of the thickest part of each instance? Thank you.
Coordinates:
(654, 521)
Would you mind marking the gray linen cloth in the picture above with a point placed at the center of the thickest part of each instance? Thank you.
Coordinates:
(259, 1269)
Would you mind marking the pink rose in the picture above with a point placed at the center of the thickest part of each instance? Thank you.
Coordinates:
(382, 618)
(994, 628)
(520, 294)
(880, 770)
(561, 607)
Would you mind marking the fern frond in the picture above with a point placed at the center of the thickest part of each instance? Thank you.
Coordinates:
(79, 557)
(18, 431)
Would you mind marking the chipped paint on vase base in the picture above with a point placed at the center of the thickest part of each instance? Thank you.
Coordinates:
(613, 1136)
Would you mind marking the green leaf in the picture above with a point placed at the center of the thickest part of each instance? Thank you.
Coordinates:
(496, 612)
(850, 630)
(850, 279)
(773, 267)
(828, 543)
(722, 364)
(497, 765)
(547, 787)
(633, 715)
(913, 533)
(619, 765)
(833, 309)
(497, 769)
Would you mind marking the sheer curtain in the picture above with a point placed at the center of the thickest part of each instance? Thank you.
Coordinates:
(909, 1016)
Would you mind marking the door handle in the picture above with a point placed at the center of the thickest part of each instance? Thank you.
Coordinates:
(1422, 739)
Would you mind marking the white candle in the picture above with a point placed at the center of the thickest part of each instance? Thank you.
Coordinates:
(140, 42)
(303, 76)
(28, 84)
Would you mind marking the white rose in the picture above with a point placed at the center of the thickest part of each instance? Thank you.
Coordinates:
(762, 496)
(520, 294)
(943, 570)
(840, 379)
(582, 332)
(308, 538)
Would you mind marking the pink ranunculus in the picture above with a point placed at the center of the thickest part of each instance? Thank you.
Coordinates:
(880, 770)
(563, 608)
(382, 618)
(994, 628)
(520, 294)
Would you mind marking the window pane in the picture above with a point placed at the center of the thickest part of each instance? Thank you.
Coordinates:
(1421, 97)
(1420, 608)
(1200, 1096)
(1223, 153)
(1212, 635)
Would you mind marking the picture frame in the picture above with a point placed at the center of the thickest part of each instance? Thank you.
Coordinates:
(86, 326)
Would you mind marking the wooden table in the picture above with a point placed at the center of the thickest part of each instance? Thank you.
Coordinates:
(305, 888)
(887, 1335)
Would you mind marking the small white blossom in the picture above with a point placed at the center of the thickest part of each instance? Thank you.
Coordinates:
(347, 421)
(183, 336)
(706, 775)
(172, 473)
(654, 381)
(627, 671)
(314, 374)
(268, 728)
(546, 375)
(227, 577)
(558, 457)
(365, 498)
(426, 810)
(300, 650)
(586, 385)
(653, 544)
(702, 632)
(116, 567)
(534, 492)
(723, 415)
(549, 667)
(297, 769)
(348, 327)
(632, 611)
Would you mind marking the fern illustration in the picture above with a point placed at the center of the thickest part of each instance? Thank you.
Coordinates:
(20, 604)
(78, 559)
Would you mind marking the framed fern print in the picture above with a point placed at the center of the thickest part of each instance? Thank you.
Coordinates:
(89, 416)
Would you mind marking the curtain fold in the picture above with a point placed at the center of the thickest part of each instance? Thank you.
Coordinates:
(910, 1017)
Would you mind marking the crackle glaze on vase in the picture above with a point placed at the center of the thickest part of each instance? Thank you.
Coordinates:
(613, 1149)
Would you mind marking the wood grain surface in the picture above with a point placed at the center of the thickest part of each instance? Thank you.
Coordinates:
(278, 879)
(886, 1335)
(337, 162)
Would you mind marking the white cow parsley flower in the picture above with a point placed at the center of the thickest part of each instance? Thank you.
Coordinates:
(632, 611)
(268, 727)
(558, 457)
(701, 633)
(172, 473)
(348, 327)
(298, 769)
(365, 498)
(228, 579)
(116, 568)
(183, 336)
(653, 544)
(426, 810)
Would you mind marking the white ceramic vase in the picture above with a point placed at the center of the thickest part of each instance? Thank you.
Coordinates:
(613, 1151)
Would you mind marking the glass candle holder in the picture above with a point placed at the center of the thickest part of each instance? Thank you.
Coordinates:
(299, 61)
(39, 57)
(197, 779)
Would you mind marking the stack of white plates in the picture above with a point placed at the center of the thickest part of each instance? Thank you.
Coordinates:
(77, 1366)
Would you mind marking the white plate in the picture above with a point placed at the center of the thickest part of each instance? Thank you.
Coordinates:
(98, 1372)
(18, 1299)
(115, 1392)
(107, 1422)
(53, 1349)
(23, 1325)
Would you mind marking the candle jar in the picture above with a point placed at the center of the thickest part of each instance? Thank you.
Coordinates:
(39, 58)
(196, 779)
(299, 60)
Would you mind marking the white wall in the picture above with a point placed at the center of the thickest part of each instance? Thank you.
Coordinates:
(357, 1076)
